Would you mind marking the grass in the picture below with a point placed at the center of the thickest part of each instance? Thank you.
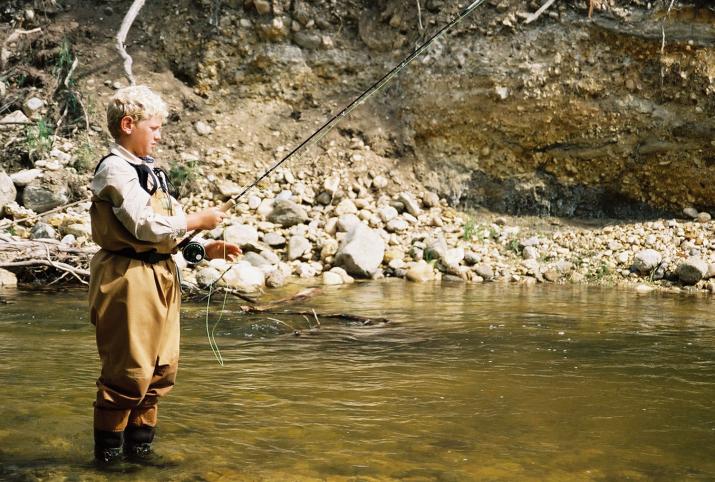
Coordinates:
(85, 156)
(38, 140)
(183, 174)
(470, 229)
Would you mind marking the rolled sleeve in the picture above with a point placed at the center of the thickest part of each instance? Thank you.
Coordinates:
(117, 182)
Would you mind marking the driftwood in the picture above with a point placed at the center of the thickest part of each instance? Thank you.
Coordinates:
(122, 37)
(46, 253)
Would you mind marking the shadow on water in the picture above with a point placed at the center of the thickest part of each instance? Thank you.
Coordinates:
(467, 382)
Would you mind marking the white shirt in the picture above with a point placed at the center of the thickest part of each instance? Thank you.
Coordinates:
(118, 183)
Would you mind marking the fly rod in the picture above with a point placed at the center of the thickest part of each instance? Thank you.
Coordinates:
(193, 251)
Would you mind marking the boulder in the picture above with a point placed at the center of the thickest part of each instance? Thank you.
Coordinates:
(646, 261)
(7, 278)
(330, 279)
(43, 231)
(361, 252)
(41, 197)
(7, 190)
(207, 276)
(243, 275)
(287, 213)
(241, 234)
(25, 177)
(420, 272)
(692, 270)
(297, 247)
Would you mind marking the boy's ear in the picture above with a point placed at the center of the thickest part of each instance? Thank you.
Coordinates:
(126, 125)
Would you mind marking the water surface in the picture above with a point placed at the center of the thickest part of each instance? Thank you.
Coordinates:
(468, 382)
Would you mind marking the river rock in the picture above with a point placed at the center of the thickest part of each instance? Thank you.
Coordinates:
(43, 197)
(485, 271)
(287, 214)
(646, 261)
(207, 276)
(361, 252)
(274, 240)
(241, 234)
(379, 182)
(420, 272)
(397, 225)
(347, 279)
(346, 206)
(387, 213)
(703, 217)
(25, 177)
(15, 117)
(436, 248)
(430, 200)
(32, 106)
(328, 248)
(530, 252)
(257, 260)
(411, 205)
(7, 190)
(79, 230)
(347, 222)
(243, 275)
(43, 231)
(690, 213)
(331, 279)
(692, 270)
(297, 247)
(276, 279)
(7, 278)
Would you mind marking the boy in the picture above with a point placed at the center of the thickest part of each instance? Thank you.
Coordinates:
(134, 292)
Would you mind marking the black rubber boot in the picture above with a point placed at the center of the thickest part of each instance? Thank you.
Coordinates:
(107, 447)
(137, 442)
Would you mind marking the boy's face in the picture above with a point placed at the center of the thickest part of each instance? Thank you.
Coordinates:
(140, 138)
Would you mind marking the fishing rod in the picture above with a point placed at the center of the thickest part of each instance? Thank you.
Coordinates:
(194, 252)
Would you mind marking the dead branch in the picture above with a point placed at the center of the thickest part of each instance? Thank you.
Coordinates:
(542, 9)
(365, 320)
(5, 52)
(122, 37)
(5, 222)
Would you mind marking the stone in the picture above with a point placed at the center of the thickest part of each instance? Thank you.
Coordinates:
(397, 225)
(207, 276)
(241, 234)
(646, 261)
(287, 213)
(308, 40)
(276, 279)
(324, 198)
(202, 128)
(347, 279)
(228, 188)
(430, 200)
(331, 184)
(243, 275)
(692, 270)
(265, 208)
(15, 117)
(411, 205)
(40, 197)
(270, 256)
(256, 260)
(7, 190)
(530, 252)
(379, 182)
(471, 258)
(346, 206)
(42, 231)
(274, 240)
(24, 177)
(436, 248)
(690, 213)
(68, 239)
(297, 247)
(347, 222)
(361, 252)
(552, 275)
(79, 230)
(32, 106)
(262, 6)
(284, 195)
(485, 271)
(454, 256)
(420, 272)
(7, 279)
(331, 279)
(254, 202)
(703, 217)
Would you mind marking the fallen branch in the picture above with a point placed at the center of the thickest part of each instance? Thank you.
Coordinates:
(122, 37)
(365, 320)
(541, 10)
(77, 272)
(6, 222)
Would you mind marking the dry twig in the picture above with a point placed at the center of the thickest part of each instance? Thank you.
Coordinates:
(122, 37)
(541, 10)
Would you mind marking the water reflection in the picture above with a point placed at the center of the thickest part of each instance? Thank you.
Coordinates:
(469, 382)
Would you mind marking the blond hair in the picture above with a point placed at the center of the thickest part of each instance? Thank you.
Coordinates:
(138, 102)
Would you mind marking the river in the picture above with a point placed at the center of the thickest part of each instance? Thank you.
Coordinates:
(467, 382)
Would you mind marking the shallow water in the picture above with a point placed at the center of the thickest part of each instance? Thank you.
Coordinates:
(468, 382)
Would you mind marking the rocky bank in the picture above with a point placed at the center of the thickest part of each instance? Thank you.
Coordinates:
(567, 149)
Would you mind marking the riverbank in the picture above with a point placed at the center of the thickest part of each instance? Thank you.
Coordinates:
(332, 230)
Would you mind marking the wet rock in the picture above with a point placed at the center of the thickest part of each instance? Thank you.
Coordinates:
(276, 279)
(207, 276)
(7, 278)
(330, 279)
(692, 270)
(361, 252)
(43, 231)
(420, 272)
(287, 213)
(7, 190)
(241, 234)
(646, 261)
(347, 279)
(485, 271)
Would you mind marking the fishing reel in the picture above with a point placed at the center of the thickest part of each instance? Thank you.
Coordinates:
(193, 252)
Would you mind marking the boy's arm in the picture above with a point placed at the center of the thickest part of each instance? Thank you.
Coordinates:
(117, 183)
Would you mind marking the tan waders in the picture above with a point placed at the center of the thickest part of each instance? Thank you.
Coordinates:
(134, 300)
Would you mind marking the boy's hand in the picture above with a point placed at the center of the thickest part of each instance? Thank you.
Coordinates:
(206, 219)
(220, 249)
